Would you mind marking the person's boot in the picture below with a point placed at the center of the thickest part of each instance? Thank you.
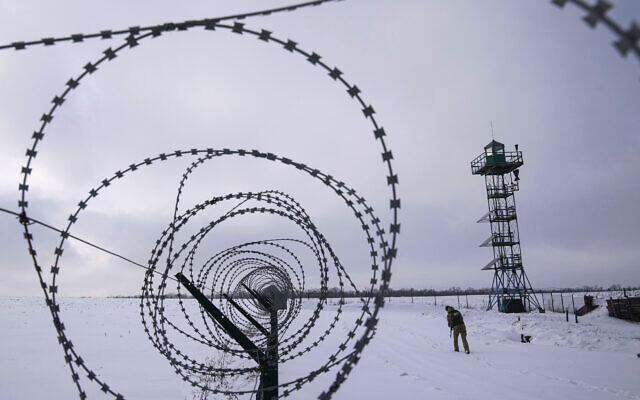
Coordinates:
(456, 350)
(467, 351)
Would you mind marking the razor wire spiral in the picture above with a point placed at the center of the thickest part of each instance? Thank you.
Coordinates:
(253, 263)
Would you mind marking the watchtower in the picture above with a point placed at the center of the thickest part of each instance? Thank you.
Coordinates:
(511, 290)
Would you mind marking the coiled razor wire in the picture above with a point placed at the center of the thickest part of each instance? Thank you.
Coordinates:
(252, 264)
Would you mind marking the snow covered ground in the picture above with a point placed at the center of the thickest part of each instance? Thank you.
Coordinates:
(411, 356)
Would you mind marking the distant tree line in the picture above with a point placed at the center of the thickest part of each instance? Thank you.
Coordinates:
(454, 290)
(334, 293)
(587, 288)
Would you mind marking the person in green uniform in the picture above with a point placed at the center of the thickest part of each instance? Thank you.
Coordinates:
(456, 325)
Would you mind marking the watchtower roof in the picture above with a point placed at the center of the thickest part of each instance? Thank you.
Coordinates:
(494, 143)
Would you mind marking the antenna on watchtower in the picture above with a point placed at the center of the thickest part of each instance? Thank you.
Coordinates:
(491, 123)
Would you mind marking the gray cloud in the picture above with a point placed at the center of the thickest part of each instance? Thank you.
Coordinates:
(436, 74)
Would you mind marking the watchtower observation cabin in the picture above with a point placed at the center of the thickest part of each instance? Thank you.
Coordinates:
(510, 290)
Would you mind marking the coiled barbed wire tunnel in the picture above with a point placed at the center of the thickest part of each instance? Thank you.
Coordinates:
(234, 278)
(256, 265)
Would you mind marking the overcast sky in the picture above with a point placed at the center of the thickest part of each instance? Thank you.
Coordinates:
(436, 73)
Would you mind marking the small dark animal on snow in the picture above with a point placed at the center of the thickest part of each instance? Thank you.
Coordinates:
(525, 338)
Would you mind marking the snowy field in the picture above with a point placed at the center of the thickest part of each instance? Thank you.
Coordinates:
(411, 356)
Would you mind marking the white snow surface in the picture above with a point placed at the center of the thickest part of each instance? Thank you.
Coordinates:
(411, 356)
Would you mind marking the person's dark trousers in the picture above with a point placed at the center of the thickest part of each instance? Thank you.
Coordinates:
(462, 331)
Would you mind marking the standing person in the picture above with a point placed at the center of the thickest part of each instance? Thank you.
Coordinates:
(456, 325)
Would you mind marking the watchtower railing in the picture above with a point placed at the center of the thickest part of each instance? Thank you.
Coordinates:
(505, 158)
